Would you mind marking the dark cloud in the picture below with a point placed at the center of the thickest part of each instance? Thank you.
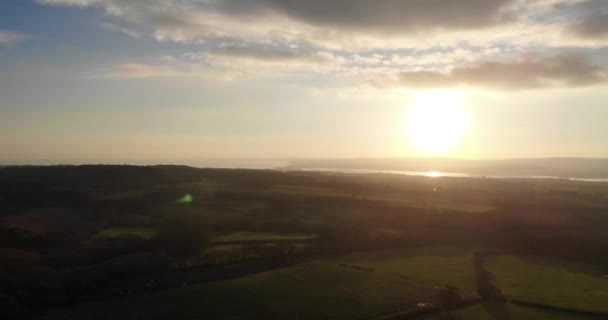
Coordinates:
(591, 19)
(382, 15)
(564, 70)
(356, 24)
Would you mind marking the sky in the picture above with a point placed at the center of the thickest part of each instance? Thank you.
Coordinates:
(176, 81)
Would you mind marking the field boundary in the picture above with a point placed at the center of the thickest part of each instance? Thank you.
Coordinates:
(488, 292)
(411, 314)
(543, 306)
(429, 310)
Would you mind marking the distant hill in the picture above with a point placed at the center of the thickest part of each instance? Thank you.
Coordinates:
(554, 167)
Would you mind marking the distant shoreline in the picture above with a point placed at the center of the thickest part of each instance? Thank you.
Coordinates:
(574, 169)
(442, 174)
(585, 169)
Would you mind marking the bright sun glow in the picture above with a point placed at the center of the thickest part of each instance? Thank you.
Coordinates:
(433, 174)
(436, 121)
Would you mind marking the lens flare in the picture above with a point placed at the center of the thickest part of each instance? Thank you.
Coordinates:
(185, 199)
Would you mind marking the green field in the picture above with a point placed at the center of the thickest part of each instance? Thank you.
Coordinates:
(430, 266)
(142, 232)
(252, 236)
(551, 282)
(224, 248)
(315, 290)
(398, 199)
(306, 190)
(321, 289)
(295, 245)
(497, 311)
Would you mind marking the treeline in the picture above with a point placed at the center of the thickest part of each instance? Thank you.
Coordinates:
(65, 270)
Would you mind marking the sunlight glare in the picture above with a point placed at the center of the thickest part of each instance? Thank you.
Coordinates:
(433, 174)
(436, 121)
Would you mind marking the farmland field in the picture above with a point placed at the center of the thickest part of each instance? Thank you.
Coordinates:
(427, 266)
(142, 232)
(355, 286)
(293, 245)
(224, 247)
(497, 311)
(252, 236)
(397, 199)
(291, 189)
(313, 290)
(551, 282)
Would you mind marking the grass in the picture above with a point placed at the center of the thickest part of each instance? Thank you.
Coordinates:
(224, 248)
(365, 285)
(14, 255)
(392, 198)
(387, 232)
(142, 232)
(321, 289)
(553, 282)
(307, 190)
(44, 220)
(493, 311)
(249, 236)
(429, 266)
(313, 290)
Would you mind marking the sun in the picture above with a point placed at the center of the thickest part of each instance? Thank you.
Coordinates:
(436, 121)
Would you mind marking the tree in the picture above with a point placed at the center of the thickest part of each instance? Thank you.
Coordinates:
(449, 297)
(182, 236)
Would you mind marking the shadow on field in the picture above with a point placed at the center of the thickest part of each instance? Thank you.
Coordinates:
(498, 311)
(449, 316)
(574, 267)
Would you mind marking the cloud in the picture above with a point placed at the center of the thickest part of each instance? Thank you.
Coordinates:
(125, 31)
(443, 58)
(591, 19)
(394, 15)
(168, 58)
(230, 62)
(189, 20)
(566, 70)
(144, 71)
(382, 15)
(170, 70)
(412, 43)
(10, 37)
(373, 59)
(250, 60)
(563, 70)
(341, 24)
(272, 55)
(323, 23)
